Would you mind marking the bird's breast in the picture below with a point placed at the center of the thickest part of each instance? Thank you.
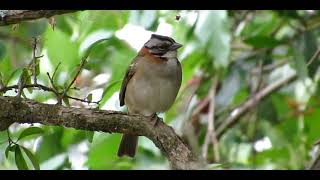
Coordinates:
(154, 88)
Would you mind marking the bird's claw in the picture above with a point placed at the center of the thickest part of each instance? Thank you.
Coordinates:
(155, 118)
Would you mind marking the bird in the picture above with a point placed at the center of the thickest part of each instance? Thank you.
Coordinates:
(150, 85)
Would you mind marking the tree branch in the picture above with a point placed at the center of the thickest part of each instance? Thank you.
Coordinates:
(17, 110)
(8, 17)
(315, 163)
(211, 133)
(235, 115)
(270, 67)
(251, 102)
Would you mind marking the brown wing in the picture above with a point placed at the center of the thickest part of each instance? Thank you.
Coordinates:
(130, 72)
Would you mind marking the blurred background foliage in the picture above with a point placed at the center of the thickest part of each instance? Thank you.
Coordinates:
(233, 46)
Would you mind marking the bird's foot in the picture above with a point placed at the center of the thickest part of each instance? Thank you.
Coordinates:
(154, 117)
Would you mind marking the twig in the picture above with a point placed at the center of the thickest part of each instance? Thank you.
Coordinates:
(32, 64)
(270, 67)
(21, 84)
(83, 62)
(51, 82)
(251, 128)
(244, 18)
(251, 102)
(55, 70)
(9, 138)
(34, 59)
(314, 57)
(51, 79)
(260, 78)
(276, 30)
(199, 108)
(45, 88)
(82, 100)
(253, 53)
(211, 134)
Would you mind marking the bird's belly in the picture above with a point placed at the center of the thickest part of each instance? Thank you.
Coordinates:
(151, 95)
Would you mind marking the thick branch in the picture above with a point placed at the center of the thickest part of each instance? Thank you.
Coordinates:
(19, 110)
(8, 17)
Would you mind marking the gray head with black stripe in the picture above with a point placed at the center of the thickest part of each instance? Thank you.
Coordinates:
(162, 46)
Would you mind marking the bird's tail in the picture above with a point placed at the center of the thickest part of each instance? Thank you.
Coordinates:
(128, 145)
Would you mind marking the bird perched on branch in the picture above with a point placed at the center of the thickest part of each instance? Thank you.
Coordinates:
(151, 84)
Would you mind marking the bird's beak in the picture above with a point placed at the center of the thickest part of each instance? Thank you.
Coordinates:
(176, 46)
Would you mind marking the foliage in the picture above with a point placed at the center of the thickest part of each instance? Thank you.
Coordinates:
(87, 53)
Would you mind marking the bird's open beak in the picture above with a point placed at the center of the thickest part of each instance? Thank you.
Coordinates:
(176, 46)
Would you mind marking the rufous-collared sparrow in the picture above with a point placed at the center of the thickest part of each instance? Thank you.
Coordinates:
(151, 84)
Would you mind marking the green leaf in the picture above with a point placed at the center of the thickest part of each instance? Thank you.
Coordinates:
(103, 152)
(69, 53)
(268, 111)
(89, 97)
(65, 23)
(191, 30)
(30, 89)
(37, 67)
(56, 162)
(23, 95)
(1, 82)
(299, 59)
(262, 41)
(31, 29)
(26, 78)
(311, 46)
(50, 144)
(17, 71)
(288, 13)
(30, 131)
(262, 24)
(92, 21)
(72, 136)
(32, 158)
(88, 51)
(13, 148)
(85, 56)
(66, 101)
(24, 74)
(19, 159)
(214, 166)
(89, 135)
(2, 50)
(109, 90)
(144, 18)
(304, 48)
(35, 64)
(7, 151)
(213, 32)
(6, 67)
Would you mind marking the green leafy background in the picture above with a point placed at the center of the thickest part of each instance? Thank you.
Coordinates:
(278, 133)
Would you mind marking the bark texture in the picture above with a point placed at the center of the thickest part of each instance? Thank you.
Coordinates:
(17, 110)
(8, 17)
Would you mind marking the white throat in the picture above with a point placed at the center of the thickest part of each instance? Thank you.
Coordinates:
(170, 54)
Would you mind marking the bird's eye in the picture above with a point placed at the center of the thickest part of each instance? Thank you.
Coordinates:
(162, 46)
